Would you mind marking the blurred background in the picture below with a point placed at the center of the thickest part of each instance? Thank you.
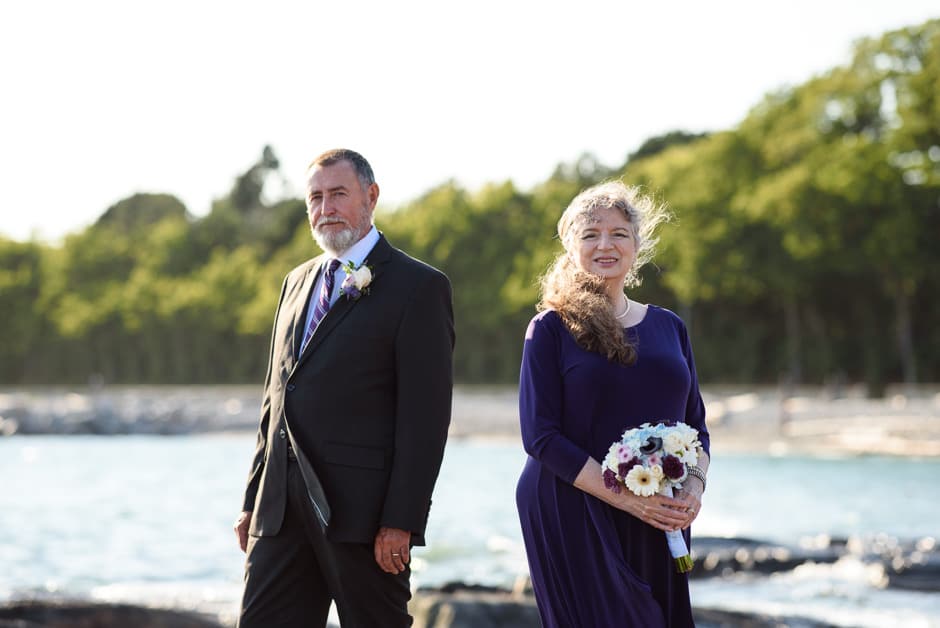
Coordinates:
(153, 164)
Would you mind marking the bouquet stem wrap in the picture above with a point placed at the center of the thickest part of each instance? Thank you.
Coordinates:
(677, 547)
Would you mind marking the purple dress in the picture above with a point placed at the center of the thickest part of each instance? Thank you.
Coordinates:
(592, 564)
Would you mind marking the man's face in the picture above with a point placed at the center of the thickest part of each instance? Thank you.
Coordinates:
(340, 211)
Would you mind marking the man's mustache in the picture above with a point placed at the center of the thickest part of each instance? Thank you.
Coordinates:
(330, 221)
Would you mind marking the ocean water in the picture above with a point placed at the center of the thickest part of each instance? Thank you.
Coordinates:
(148, 520)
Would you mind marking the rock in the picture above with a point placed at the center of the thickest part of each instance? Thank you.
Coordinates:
(721, 557)
(717, 618)
(458, 605)
(915, 571)
(83, 614)
(454, 605)
(908, 564)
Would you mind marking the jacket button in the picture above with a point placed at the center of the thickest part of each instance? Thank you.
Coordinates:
(290, 388)
(282, 433)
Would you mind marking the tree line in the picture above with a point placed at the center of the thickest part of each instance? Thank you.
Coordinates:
(803, 250)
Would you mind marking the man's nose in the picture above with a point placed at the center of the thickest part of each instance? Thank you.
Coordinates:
(326, 207)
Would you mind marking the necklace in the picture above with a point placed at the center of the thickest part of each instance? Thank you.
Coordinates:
(625, 312)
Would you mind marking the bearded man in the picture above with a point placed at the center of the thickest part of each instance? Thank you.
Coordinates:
(354, 419)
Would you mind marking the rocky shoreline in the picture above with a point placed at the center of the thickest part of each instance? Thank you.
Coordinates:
(912, 565)
(468, 608)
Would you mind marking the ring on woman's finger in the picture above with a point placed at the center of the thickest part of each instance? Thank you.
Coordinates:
(394, 554)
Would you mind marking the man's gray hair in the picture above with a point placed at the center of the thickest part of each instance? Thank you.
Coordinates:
(360, 165)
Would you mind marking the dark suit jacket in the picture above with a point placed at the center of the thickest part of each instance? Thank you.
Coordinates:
(367, 403)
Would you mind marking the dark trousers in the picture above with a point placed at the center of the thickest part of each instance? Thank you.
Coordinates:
(291, 578)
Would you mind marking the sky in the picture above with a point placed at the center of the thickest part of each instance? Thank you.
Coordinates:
(106, 98)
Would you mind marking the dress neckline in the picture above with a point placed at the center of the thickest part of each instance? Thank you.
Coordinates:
(646, 315)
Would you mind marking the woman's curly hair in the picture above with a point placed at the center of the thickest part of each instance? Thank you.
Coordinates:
(579, 297)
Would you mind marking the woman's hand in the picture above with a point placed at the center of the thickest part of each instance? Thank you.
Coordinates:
(659, 511)
(690, 496)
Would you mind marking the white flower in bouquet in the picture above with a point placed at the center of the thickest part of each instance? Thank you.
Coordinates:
(612, 460)
(689, 433)
(674, 443)
(641, 481)
(657, 472)
(688, 456)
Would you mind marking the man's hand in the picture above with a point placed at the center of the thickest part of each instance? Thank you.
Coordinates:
(241, 529)
(392, 549)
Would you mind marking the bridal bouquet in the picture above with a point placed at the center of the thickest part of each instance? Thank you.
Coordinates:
(654, 459)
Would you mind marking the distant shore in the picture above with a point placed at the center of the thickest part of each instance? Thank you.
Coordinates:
(818, 420)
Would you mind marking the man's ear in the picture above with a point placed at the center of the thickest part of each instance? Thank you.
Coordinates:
(373, 193)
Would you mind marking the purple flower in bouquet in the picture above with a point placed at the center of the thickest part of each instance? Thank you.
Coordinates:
(611, 481)
(673, 468)
(624, 467)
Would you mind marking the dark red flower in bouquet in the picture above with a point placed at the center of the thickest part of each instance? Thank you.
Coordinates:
(610, 481)
(673, 467)
(624, 467)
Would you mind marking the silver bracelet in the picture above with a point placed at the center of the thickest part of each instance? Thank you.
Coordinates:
(696, 472)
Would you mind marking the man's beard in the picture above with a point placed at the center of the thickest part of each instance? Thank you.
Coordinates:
(335, 241)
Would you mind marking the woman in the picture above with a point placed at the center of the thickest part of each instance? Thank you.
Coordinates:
(594, 364)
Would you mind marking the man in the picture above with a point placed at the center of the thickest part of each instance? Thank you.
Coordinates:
(354, 419)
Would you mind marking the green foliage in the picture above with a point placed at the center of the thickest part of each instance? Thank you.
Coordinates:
(656, 145)
(20, 322)
(803, 249)
(140, 211)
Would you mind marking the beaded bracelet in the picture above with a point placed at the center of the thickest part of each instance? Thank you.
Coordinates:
(696, 472)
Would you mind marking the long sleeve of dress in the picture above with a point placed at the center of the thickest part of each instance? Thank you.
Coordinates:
(695, 407)
(541, 402)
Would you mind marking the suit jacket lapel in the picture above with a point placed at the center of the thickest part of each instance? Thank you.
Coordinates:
(299, 322)
(377, 258)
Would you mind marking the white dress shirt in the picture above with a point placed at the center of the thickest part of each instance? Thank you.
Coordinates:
(356, 254)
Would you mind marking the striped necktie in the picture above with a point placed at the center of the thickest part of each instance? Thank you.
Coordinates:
(322, 306)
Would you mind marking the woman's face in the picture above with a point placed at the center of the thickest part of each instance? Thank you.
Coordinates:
(605, 245)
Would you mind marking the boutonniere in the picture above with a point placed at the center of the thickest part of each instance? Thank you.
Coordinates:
(357, 282)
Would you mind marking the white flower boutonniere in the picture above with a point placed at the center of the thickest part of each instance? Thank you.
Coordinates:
(357, 282)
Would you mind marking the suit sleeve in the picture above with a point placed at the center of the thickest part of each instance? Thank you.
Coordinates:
(541, 402)
(257, 464)
(424, 347)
